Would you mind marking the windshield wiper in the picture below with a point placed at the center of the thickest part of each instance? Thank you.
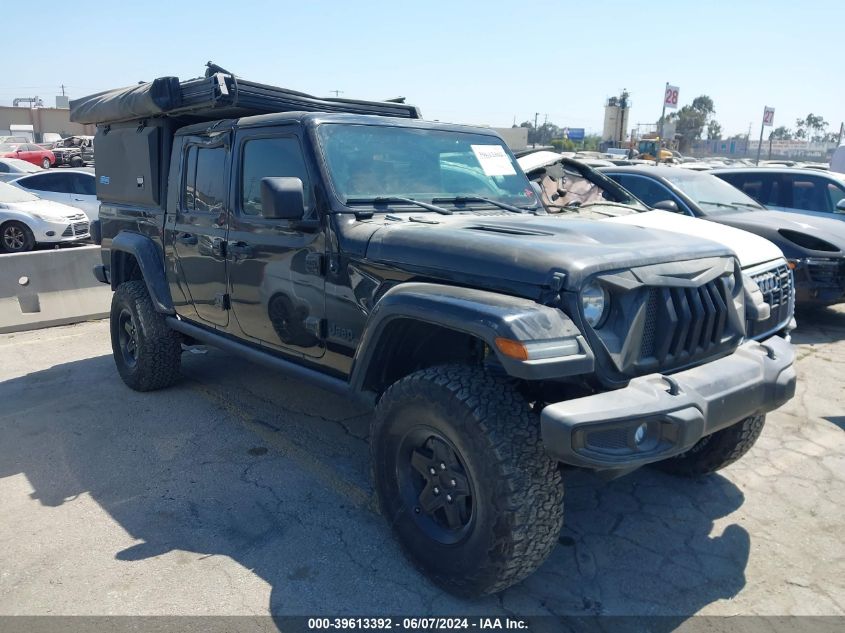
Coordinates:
(750, 205)
(501, 205)
(718, 204)
(398, 199)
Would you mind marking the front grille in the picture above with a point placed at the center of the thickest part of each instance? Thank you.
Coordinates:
(76, 228)
(691, 322)
(666, 317)
(778, 290)
(829, 272)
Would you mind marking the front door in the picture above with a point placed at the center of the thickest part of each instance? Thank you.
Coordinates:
(275, 267)
(199, 232)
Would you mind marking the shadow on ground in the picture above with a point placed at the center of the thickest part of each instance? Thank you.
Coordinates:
(819, 325)
(178, 472)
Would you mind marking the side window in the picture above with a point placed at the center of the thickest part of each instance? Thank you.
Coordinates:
(763, 188)
(835, 193)
(4, 168)
(84, 185)
(271, 157)
(809, 194)
(55, 183)
(645, 189)
(204, 187)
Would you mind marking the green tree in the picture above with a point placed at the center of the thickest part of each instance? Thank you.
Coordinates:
(781, 133)
(813, 127)
(714, 130)
(691, 120)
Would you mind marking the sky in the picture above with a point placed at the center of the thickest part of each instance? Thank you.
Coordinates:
(487, 63)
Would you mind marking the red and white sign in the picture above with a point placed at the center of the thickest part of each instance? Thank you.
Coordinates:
(670, 99)
(768, 116)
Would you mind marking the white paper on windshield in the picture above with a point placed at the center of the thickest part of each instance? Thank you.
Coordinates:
(493, 159)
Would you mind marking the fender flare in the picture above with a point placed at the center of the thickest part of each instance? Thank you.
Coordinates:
(556, 348)
(151, 263)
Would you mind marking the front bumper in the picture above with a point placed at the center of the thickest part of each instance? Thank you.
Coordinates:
(60, 231)
(668, 414)
(819, 281)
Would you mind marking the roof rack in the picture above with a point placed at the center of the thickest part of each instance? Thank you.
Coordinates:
(219, 95)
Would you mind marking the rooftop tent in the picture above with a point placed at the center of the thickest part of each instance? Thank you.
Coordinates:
(219, 95)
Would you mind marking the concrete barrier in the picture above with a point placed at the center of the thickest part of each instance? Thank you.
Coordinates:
(47, 288)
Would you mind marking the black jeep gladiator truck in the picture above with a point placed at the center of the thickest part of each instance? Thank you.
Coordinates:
(410, 264)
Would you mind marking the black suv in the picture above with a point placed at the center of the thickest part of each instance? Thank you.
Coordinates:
(409, 264)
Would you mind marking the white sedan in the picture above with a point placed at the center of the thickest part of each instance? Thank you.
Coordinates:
(74, 187)
(27, 220)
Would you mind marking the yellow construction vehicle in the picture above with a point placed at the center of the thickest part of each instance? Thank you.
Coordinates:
(648, 148)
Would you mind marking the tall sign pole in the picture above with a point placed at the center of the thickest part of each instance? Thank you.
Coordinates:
(670, 100)
(768, 120)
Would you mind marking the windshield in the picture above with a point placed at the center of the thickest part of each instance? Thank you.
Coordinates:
(712, 194)
(372, 161)
(10, 194)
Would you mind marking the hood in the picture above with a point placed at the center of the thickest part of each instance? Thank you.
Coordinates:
(750, 249)
(768, 223)
(527, 249)
(46, 208)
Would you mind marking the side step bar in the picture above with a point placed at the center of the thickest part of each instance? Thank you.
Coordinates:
(324, 381)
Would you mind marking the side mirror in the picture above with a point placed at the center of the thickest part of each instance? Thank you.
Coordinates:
(282, 198)
(840, 206)
(667, 205)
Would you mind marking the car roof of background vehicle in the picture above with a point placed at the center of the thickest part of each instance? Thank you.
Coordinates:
(53, 172)
(780, 170)
(17, 163)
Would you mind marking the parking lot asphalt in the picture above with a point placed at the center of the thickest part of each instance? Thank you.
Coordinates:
(239, 491)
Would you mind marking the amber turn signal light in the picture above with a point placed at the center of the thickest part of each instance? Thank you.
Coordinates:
(512, 349)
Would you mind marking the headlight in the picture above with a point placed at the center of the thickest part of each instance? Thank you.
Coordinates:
(46, 218)
(594, 304)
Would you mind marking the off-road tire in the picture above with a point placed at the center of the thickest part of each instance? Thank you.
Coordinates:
(76, 161)
(715, 451)
(518, 490)
(158, 348)
(16, 237)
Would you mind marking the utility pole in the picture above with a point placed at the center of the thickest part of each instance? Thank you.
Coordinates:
(760, 145)
(63, 90)
(662, 121)
(748, 139)
(536, 115)
(337, 93)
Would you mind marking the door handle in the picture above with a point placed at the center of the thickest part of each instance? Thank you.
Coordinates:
(187, 239)
(240, 250)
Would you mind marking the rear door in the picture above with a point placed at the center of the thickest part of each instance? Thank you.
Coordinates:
(275, 267)
(199, 230)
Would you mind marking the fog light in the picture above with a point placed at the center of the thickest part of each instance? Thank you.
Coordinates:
(640, 433)
(50, 233)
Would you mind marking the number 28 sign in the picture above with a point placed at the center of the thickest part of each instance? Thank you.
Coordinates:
(768, 116)
(670, 99)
